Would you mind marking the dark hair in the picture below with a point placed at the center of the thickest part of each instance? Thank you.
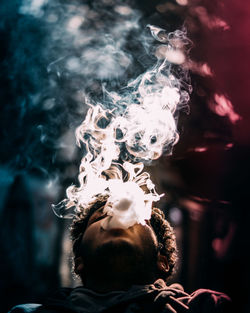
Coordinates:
(164, 232)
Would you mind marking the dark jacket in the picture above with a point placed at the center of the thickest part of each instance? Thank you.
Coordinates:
(155, 298)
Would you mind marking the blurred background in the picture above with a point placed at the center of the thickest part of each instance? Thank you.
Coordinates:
(53, 54)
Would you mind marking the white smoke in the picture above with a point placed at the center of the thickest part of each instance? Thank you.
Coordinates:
(135, 125)
(135, 121)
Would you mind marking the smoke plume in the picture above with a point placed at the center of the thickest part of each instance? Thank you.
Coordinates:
(133, 125)
(100, 61)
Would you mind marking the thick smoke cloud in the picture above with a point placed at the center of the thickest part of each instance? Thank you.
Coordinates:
(62, 53)
(135, 119)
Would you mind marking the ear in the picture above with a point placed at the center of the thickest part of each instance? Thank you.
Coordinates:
(162, 264)
(78, 265)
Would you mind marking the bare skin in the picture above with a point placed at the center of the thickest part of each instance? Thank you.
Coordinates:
(116, 259)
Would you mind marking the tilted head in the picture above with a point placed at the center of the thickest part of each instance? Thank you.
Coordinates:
(141, 252)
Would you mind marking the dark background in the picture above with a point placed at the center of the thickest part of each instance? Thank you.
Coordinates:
(206, 179)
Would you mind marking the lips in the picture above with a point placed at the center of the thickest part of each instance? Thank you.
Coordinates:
(116, 231)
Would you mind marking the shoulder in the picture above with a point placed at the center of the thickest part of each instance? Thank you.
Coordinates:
(57, 298)
(25, 308)
(201, 300)
(209, 301)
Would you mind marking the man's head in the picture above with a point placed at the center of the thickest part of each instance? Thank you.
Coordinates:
(136, 255)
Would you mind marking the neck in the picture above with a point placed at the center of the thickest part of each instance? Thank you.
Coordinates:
(117, 275)
(115, 281)
(118, 266)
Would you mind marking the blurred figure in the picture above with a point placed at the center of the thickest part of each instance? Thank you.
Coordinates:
(29, 246)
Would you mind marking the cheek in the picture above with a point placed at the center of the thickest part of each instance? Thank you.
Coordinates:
(90, 237)
(148, 237)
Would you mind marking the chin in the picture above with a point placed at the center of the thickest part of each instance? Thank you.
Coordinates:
(117, 242)
(118, 257)
(117, 232)
(116, 248)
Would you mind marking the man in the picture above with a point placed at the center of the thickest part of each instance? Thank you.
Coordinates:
(124, 270)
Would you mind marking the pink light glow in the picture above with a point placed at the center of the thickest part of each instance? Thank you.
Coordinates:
(223, 107)
(200, 149)
(209, 21)
(221, 245)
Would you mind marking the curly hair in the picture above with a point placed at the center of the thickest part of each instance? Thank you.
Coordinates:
(164, 232)
(166, 238)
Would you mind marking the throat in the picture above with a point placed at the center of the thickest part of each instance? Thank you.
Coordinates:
(117, 280)
(119, 270)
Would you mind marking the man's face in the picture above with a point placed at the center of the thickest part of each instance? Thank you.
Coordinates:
(132, 249)
(142, 237)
